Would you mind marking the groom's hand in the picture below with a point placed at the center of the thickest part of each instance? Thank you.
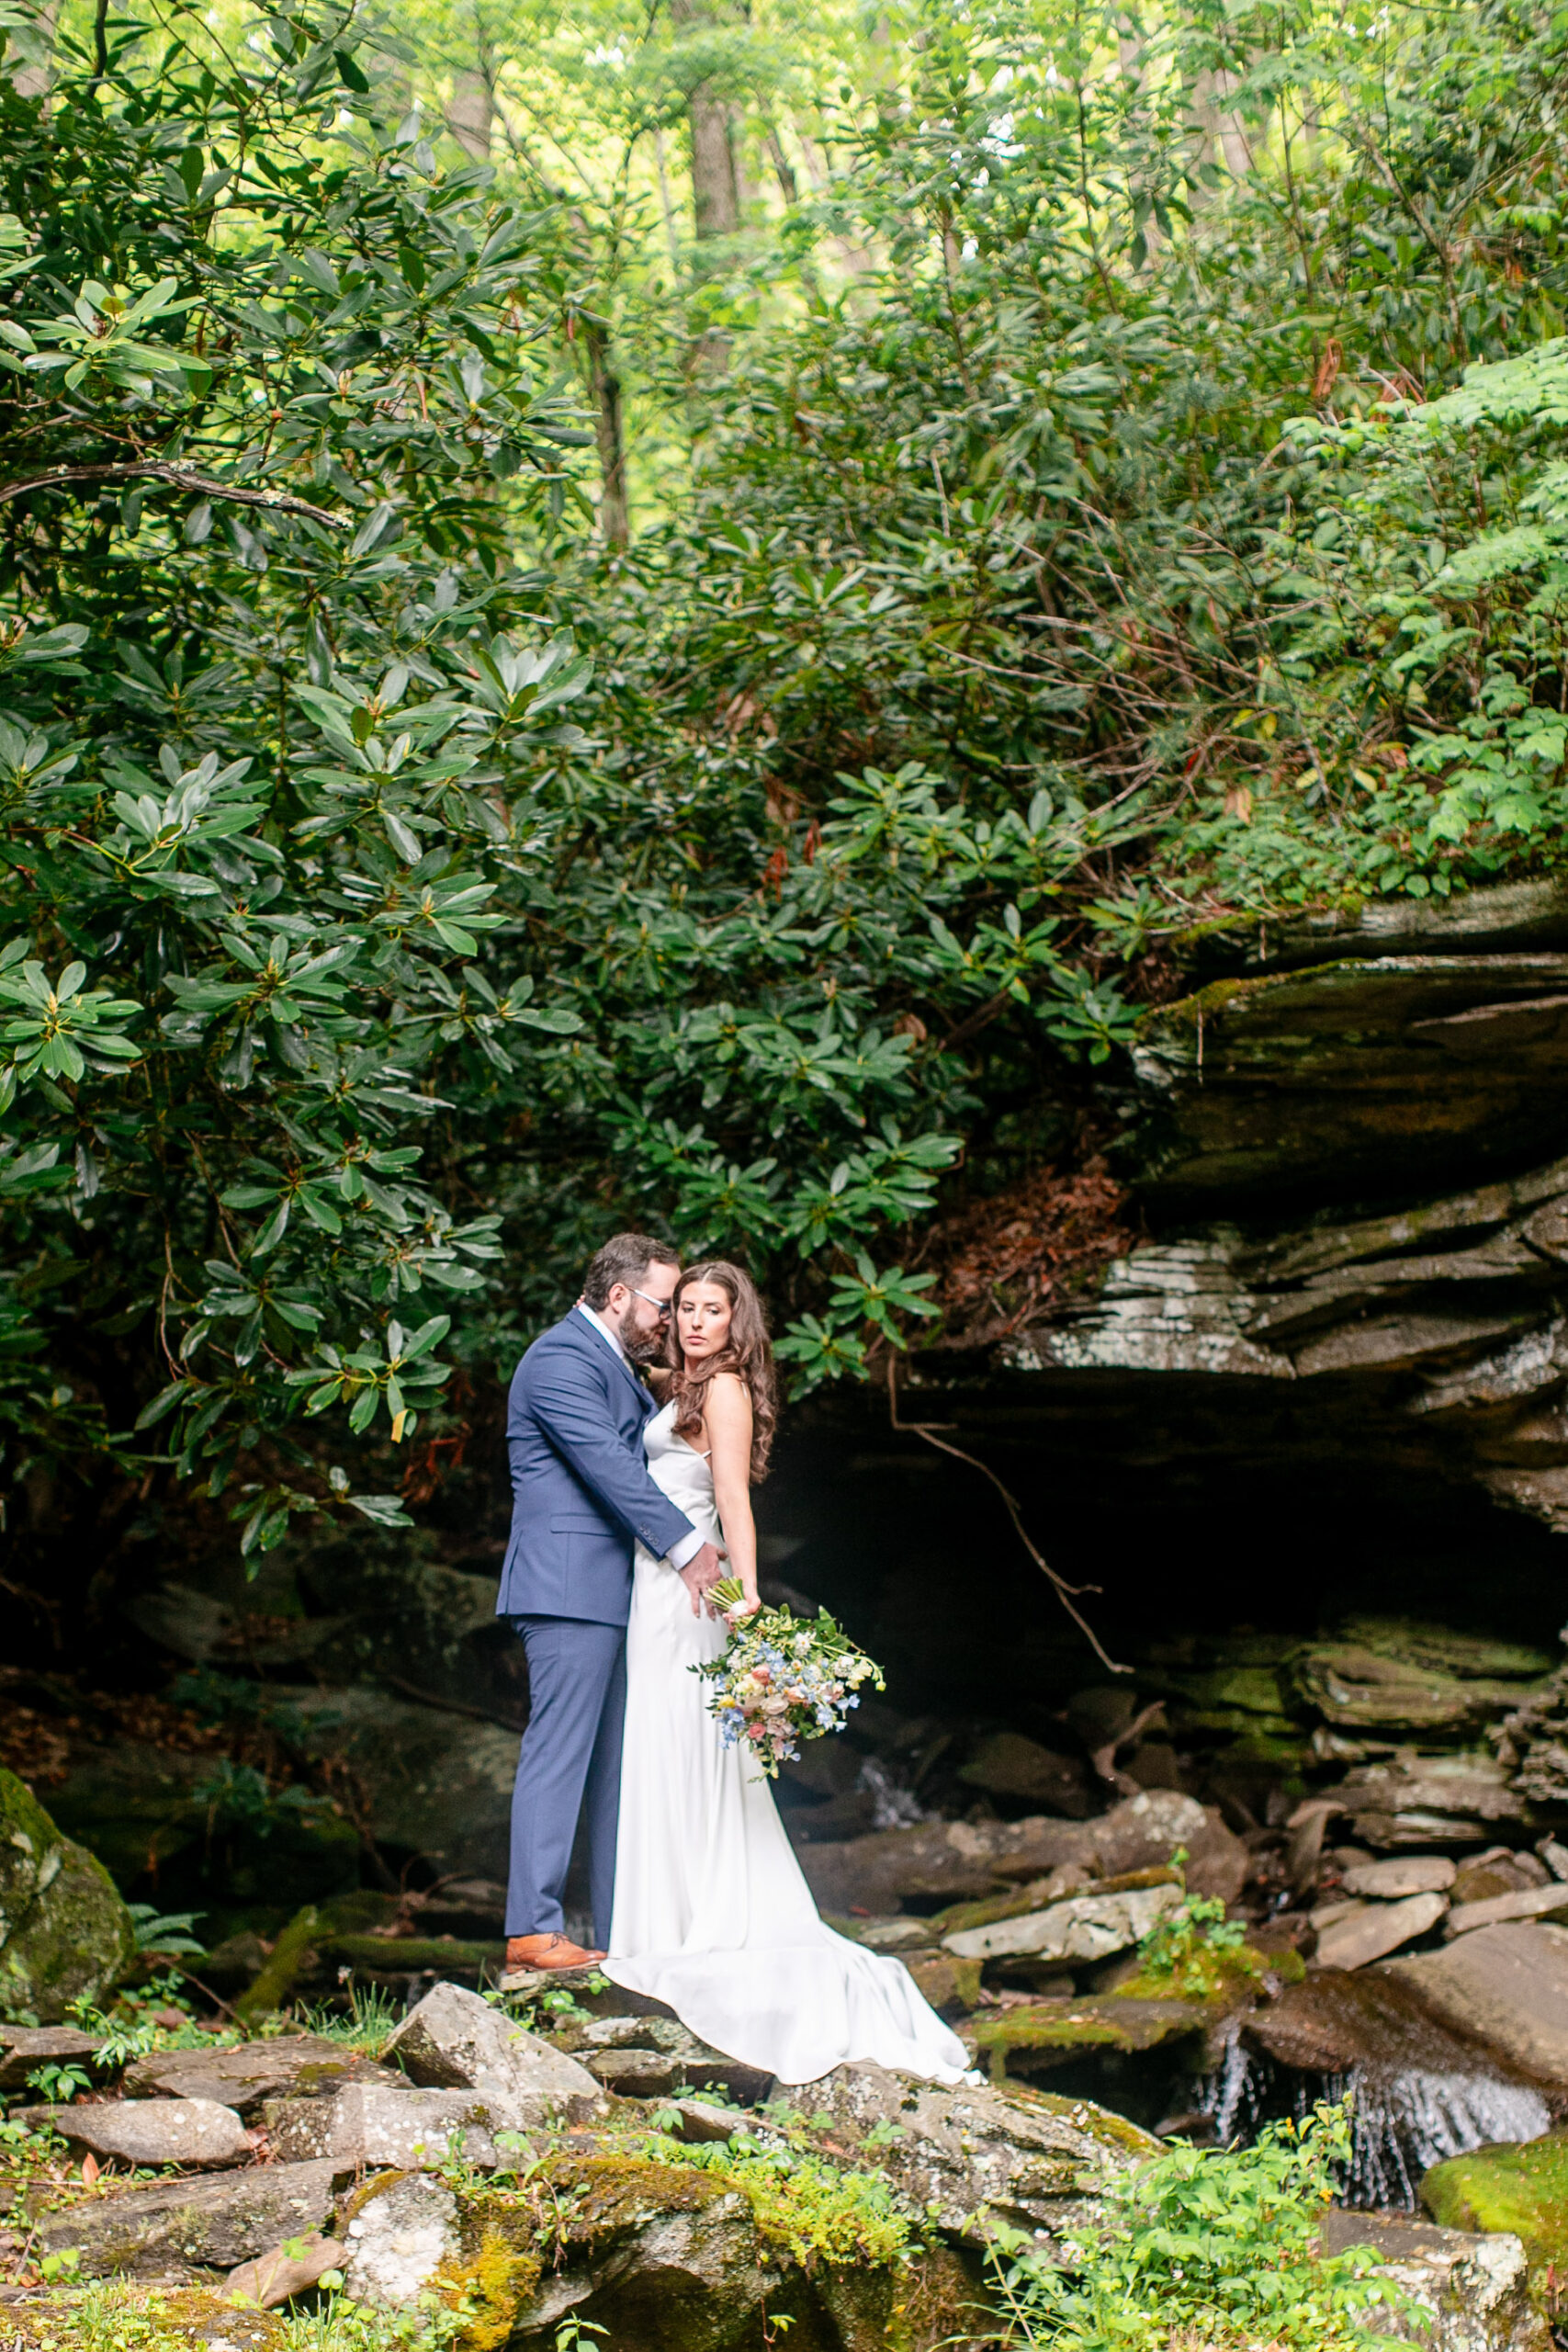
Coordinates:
(702, 1570)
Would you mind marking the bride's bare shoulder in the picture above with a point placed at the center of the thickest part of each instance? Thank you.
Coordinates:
(729, 1397)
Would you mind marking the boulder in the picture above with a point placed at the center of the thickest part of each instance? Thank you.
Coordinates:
(23, 2048)
(1334, 2023)
(1086, 1927)
(1370, 1931)
(1521, 2188)
(1037, 2161)
(272, 2278)
(404, 2230)
(1505, 1985)
(1470, 2293)
(65, 1934)
(367, 2125)
(1361, 1688)
(952, 1858)
(216, 2224)
(454, 2040)
(435, 1783)
(190, 2132)
(1038, 2035)
(295, 2065)
(1008, 1765)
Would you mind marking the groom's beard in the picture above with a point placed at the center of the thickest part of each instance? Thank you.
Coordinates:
(641, 1347)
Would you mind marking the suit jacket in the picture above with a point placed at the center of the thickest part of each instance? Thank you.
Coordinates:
(580, 1487)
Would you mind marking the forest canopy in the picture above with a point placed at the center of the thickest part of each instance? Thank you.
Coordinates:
(668, 616)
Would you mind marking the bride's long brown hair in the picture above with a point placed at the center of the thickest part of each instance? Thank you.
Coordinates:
(746, 1353)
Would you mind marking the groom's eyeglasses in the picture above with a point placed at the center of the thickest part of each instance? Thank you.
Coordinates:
(663, 1305)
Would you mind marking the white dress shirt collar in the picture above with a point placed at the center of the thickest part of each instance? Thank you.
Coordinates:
(605, 1330)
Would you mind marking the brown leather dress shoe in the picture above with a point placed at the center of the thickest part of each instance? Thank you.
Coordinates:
(547, 1951)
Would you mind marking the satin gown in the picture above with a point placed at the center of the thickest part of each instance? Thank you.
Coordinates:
(712, 1914)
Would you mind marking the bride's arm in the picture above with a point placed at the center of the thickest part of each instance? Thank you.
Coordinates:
(727, 1421)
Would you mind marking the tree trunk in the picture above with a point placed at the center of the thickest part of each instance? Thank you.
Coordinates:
(470, 113)
(716, 192)
(615, 512)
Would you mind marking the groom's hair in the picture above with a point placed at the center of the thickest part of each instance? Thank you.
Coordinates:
(625, 1258)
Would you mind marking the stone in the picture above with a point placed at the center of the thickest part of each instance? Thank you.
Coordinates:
(454, 2040)
(1520, 2190)
(1403, 1874)
(215, 2223)
(1335, 1079)
(367, 2125)
(403, 2231)
(435, 1783)
(65, 1934)
(1374, 1929)
(1471, 2292)
(1480, 1876)
(191, 2132)
(1008, 1765)
(1086, 1927)
(23, 2048)
(1505, 1985)
(654, 2074)
(272, 2278)
(659, 2257)
(298, 2065)
(1527, 1903)
(1333, 2023)
(1041, 2034)
(699, 2121)
(1361, 1688)
(1430, 1800)
(1037, 2161)
(953, 1859)
(891, 1934)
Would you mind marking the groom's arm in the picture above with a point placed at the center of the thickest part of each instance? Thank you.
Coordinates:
(572, 1408)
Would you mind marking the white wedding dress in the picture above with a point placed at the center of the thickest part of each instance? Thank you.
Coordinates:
(712, 1914)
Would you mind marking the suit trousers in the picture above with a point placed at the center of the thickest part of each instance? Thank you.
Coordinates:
(570, 1765)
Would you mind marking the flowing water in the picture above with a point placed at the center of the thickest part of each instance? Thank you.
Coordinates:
(1402, 2123)
(893, 1807)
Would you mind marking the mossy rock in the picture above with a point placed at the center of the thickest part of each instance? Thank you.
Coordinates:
(1520, 2187)
(176, 2319)
(1112, 2021)
(1221, 1980)
(65, 1934)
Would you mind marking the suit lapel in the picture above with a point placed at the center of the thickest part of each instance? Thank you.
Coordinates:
(577, 1326)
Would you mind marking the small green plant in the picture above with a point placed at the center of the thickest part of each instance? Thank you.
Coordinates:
(59, 2080)
(368, 2023)
(1216, 2247)
(163, 1933)
(572, 2333)
(813, 2210)
(338, 2325)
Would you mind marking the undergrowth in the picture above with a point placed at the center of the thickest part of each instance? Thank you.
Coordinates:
(1221, 2243)
(811, 2210)
(368, 2024)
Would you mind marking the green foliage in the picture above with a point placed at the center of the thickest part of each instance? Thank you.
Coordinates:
(809, 2209)
(1220, 2243)
(368, 2022)
(1193, 1949)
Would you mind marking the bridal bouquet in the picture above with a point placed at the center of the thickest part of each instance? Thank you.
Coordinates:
(783, 1678)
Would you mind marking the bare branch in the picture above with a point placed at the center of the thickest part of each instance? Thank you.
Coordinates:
(158, 470)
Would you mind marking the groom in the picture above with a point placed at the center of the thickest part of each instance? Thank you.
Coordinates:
(582, 1495)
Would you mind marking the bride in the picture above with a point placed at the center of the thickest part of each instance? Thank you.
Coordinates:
(712, 1914)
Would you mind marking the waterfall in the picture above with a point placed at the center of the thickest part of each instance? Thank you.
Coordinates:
(1401, 2124)
(893, 1807)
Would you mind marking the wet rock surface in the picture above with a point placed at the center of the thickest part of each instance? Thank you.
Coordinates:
(1471, 2292)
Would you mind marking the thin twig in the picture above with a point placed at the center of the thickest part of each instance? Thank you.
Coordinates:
(182, 478)
(1063, 1589)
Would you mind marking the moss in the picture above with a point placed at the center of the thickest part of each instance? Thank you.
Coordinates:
(1220, 1978)
(288, 1960)
(951, 1986)
(1115, 2022)
(1522, 2188)
(611, 2193)
(65, 1934)
(1021, 1901)
(1113, 2133)
(117, 2317)
(491, 2285)
(398, 1956)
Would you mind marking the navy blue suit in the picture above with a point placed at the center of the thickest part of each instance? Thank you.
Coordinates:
(582, 1495)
